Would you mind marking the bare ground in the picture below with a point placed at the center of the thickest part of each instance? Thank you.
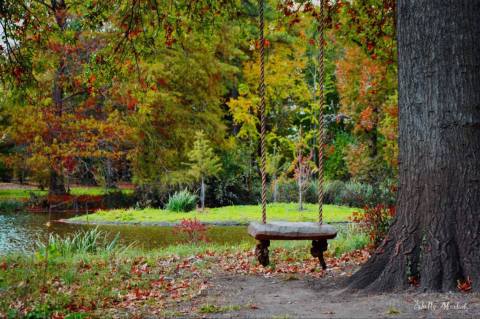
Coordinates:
(17, 186)
(242, 296)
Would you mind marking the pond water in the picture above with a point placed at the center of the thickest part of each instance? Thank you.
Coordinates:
(19, 231)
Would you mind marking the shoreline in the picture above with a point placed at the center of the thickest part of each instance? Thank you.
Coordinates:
(158, 224)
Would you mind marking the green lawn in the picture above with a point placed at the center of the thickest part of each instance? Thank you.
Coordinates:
(25, 193)
(244, 214)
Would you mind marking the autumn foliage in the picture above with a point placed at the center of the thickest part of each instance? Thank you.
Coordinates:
(84, 101)
(193, 229)
(375, 221)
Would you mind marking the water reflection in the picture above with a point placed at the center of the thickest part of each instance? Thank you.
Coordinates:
(19, 231)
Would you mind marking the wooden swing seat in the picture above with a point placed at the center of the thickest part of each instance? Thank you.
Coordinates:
(281, 230)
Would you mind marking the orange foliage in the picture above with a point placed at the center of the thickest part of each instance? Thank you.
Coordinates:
(359, 81)
(368, 97)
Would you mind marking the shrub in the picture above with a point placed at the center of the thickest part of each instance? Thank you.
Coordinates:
(385, 194)
(193, 229)
(232, 190)
(287, 191)
(6, 173)
(80, 203)
(349, 238)
(149, 195)
(182, 201)
(311, 193)
(118, 199)
(375, 221)
(10, 206)
(335, 165)
(238, 182)
(332, 191)
(338, 193)
(354, 194)
(89, 241)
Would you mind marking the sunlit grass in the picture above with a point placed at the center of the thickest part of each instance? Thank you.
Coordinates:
(25, 193)
(241, 214)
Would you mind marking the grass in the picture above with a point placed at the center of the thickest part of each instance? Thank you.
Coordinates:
(11, 205)
(107, 283)
(6, 194)
(209, 308)
(348, 238)
(242, 214)
(88, 241)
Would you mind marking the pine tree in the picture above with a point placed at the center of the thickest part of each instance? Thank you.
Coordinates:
(204, 162)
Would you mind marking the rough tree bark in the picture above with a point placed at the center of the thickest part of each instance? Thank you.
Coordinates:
(56, 183)
(436, 234)
(109, 174)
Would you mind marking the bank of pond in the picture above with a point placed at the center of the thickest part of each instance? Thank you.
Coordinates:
(20, 231)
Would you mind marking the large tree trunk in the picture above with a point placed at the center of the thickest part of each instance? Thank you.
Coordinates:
(436, 235)
(56, 181)
(109, 174)
(56, 184)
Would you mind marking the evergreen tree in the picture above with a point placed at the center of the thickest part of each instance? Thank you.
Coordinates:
(204, 163)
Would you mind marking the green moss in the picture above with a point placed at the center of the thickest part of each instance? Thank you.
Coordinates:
(243, 214)
(208, 308)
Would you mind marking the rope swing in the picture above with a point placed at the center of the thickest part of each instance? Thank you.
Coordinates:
(319, 232)
(321, 129)
(263, 124)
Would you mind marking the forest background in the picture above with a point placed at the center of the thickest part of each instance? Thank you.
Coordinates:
(108, 92)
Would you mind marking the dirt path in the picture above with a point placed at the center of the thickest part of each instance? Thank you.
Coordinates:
(236, 296)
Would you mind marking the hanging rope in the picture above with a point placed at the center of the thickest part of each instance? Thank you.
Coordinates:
(262, 113)
(321, 129)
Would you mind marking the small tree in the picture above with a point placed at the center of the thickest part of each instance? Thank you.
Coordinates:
(303, 172)
(203, 163)
(302, 167)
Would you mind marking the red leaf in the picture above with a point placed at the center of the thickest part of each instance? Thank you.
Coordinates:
(465, 285)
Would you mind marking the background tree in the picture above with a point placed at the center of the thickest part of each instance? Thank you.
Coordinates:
(302, 167)
(435, 237)
(57, 69)
(204, 163)
(163, 70)
(366, 75)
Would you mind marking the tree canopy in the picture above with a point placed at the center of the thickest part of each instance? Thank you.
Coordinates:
(127, 84)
